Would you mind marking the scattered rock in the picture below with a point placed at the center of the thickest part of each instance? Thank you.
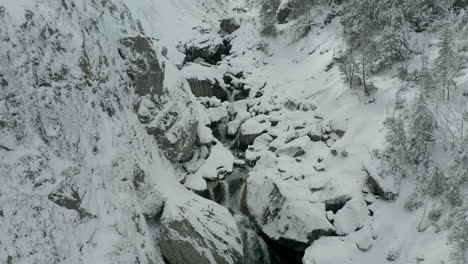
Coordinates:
(229, 25)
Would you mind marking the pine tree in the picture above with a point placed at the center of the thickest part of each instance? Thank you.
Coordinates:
(421, 130)
(394, 156)
(446, 64)
(436, 183)
(459, 236)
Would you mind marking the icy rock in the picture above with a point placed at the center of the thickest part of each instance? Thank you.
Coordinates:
(330, 250)
(384, 188)
(294, 148)
(211, 49)
(199, 231)
(262, 141)
(233, 127)
(315, 134)
(352, 216)
(284, 219)
(220, 160)
(208, 88)
(238, 107)
(229, 25)
(217, 113)
(250, 130)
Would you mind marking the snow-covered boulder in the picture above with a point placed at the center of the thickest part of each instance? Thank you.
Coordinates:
(385, 188)
(282, 217)
(204, 81)
(331, 250)
(199, 231)
(251, 129)
(209, 47)
(295, 148)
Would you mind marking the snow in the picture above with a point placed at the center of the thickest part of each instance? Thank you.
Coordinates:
(54, 131)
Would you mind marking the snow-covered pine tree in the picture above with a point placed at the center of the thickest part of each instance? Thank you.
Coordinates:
(436, 182)
(446, 64)
(420, 130)
(459, 236)
(394, 156)
(457, 176)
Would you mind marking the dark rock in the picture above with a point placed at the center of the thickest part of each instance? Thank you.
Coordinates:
(336, 204)
(199, 231)
(69, 198)
(379, 187)
(282, 14)
(144, 70)
(229, 25)
(247, 139)
(210, 54)
(340, 132)
(182, 149)
(207, 88)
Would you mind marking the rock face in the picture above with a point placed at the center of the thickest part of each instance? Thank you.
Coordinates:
(208, 88)
(199, 231)
(229, 25)
(170, 118)
(144, 69)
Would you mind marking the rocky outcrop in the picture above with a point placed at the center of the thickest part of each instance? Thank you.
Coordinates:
(383, 188)
(207, 88)
(199, 231)
(283, 12)
(144, 68)
(170, 119)
(211, 51)
(229, 25)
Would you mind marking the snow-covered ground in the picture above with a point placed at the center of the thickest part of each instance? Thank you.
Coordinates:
(71, 147)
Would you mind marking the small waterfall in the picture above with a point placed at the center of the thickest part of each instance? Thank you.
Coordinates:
(228, 193)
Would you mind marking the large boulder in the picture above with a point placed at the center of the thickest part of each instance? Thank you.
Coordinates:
(199, 231)
(251, 129)
(207, 88)
(283, 11)
(292, 222)
(170, 116)
(229, 25)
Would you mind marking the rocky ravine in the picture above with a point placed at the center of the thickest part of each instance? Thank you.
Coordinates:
(116, 148)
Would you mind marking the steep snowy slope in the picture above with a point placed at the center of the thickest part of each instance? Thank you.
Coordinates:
(140, 132)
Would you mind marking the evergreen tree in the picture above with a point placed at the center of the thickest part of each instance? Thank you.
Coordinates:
(421, 130)
(436, 183)
(394, 155)
(446, 64)
(459, 236)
